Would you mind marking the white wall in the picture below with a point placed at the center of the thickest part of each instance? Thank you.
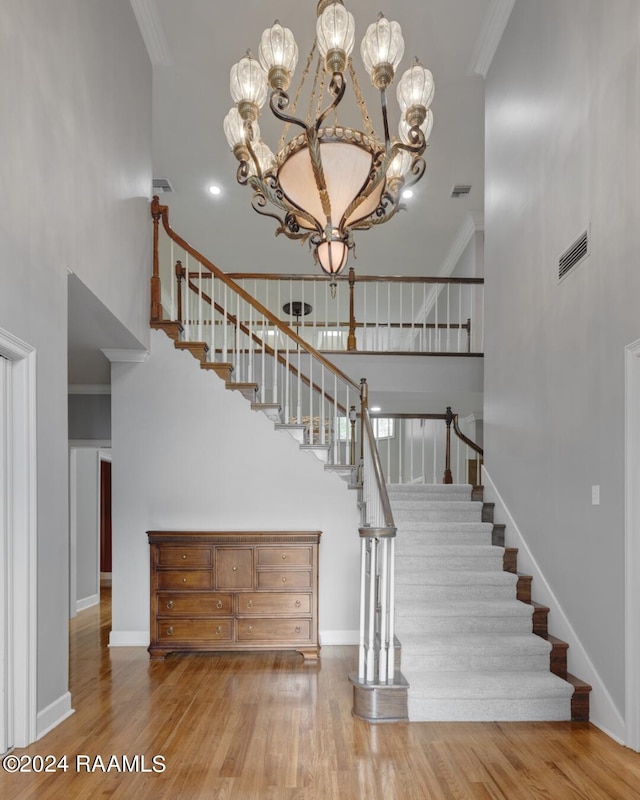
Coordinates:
(190, 454)
(85, 529)
(562, 133)
(75, 86)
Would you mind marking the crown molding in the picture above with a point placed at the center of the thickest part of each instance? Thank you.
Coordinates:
(148, 19)
(128, 356)
(494, 24)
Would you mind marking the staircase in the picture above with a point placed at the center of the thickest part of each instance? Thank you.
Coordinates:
(473, 644)
(474, 647)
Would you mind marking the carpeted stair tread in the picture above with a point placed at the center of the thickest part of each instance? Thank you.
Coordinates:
(456, 644)
(460, 577)
(486, 685)
(469, 608)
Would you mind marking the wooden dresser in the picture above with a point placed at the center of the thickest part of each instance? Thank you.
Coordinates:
(232, 590)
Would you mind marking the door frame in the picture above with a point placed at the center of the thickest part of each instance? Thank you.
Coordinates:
(21, 544)
(632, 545)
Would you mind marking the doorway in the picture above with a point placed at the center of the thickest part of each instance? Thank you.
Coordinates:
(18, 542)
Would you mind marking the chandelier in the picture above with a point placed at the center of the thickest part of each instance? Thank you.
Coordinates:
(330, 180)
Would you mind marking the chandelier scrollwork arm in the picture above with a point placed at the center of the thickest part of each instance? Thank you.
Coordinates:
(337, 87)
(278, 102)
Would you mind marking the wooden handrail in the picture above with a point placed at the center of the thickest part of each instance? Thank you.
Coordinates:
(367, 430)
(461, 435)
(267, 347)
(271, 276)
(162, 212)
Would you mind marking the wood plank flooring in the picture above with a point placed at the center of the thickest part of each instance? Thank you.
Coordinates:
(268, 727)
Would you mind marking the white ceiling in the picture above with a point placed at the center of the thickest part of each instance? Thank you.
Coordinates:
(193, 45)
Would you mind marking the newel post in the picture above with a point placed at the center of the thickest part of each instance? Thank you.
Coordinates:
(448, 478)
(156, 290)
(351, 338)
(364, 405)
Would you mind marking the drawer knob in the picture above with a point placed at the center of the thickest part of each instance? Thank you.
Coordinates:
(170, 605)
(170, 630)
(184, 580)
(284, 580)
(184, 556)
(219, 604)
(284, 555)
(234, 568)
(218, 630)
(250, 604)
(250, 629)
(297, 629)
(298, 604)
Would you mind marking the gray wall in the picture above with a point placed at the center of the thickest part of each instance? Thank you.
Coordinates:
(562, 133)
(90, 416)
(191, 455)
(75, 85)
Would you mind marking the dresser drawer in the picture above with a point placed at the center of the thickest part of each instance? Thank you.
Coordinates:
(234, 568)
(272, 630)
(187, 579)
(195, 630)
(172, 556)
(190, 605)
(284, 579)
(274, 603)
(284, 556)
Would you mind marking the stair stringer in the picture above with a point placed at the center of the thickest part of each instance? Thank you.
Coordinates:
(194, 456)
(603, 711)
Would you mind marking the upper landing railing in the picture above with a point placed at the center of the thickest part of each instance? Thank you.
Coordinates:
(374, 313)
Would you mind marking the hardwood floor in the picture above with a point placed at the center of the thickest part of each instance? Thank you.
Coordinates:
(265, 726)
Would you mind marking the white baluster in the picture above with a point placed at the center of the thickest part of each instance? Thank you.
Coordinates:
(371, 639)
(435, 425)
(362, 650)
(411, 439)
(187, 292)
(388, 315)
(384, 610)
(413, 286)
(400, 344)
(336, 423)
(437, 329)
(212, 336)
(448, 346)
(172, 281)
(224, 326)
(460, 328)
(200, 339)
(392, 604)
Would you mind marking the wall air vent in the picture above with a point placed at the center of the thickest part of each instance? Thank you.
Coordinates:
(574, 255)
(460, 190)
(162, 185)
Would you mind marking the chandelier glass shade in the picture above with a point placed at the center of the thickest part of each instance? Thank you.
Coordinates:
(331, 179)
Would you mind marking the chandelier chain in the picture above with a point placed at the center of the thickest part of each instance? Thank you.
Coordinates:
(361, 101)
(297, 97)
(320, 94)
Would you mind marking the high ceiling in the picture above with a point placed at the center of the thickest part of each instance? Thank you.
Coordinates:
(193, 45)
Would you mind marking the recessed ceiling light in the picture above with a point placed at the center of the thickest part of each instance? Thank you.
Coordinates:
(407, 194)
(215, 189)
(376, 408)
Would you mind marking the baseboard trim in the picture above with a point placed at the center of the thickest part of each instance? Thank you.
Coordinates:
(87, 602)
(129, 639)
(55, 713)
(328, 638)
(603, 712)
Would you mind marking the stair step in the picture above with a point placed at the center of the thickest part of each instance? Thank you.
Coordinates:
(270, 410)
(221, 368)
(446, 511)
(580, 699)
(198, 350)
(450, 557)
(428, 493)
(344, 471)
(485, 696)
(172, 329)
(431, 587)
(320, 451)
(459, 616)
(469, 652)
(298, 432)
(248, 390)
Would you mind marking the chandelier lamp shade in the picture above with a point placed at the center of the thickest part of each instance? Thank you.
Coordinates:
(330, 179)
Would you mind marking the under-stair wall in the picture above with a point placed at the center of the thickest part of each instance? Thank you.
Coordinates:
(192, 454)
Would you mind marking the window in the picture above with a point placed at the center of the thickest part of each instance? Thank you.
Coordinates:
(383, 428)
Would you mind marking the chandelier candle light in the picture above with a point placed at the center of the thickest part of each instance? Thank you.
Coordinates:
(329, 180)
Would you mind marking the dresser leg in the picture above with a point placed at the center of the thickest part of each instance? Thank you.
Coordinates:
(310, 654)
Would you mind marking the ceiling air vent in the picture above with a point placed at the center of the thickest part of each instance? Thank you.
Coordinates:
(460, 190)
(162, 185)
(573, 255)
